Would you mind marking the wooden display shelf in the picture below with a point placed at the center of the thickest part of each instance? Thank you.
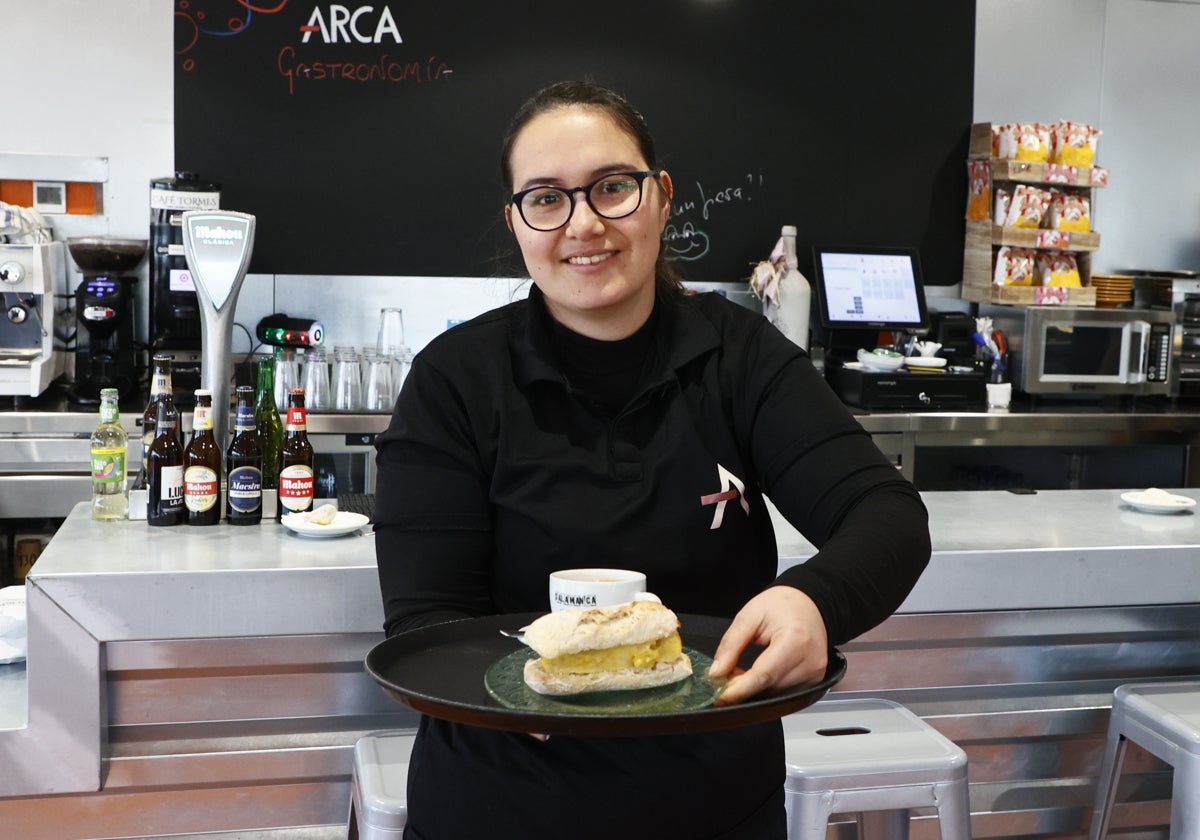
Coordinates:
(1045, 240)
(1029, 172)
(1052, 174)
(979, 268)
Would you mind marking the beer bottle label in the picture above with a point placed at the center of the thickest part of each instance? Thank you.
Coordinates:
(158, 385)
(202, 418)
(244, 418)
(108, 465)
(171, 482)
(245, 489)
(297, 420)
(200, 488)
(296, 487)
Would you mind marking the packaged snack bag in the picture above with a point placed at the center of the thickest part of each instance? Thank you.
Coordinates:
(1003, 202)
(1026, 141)
(1014, 267)
(1028, 208)
(1075, 144)
(1005, 144)
(1069, 211)
(1057, 268)
(979, 176)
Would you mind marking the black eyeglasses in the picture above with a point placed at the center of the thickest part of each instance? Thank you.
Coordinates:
(611, 196)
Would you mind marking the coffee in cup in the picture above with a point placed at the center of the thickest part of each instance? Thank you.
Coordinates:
(580, 588)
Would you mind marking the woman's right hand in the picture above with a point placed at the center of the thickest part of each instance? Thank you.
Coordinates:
(790, 626)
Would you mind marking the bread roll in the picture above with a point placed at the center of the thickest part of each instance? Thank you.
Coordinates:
(626, 647)
(572, 631)
(625, 679)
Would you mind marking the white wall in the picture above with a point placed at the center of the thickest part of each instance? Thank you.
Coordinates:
(1129, 67)
(95, 78)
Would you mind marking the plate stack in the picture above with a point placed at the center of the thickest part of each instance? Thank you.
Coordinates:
(1112, 289)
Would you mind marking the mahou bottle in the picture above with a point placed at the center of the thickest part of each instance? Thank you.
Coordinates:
(160, 389)
(164, 471)
(243, 464)
(295, 460)
(202, 466)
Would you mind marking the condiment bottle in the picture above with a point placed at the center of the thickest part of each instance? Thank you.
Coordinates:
(243, 464)
(790, 314)
(160, 389)
(202, 466)
(270, 429)
(110, 499)
(164, 469)
(295, 460)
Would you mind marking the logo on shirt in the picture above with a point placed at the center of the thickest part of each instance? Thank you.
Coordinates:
(732, 487)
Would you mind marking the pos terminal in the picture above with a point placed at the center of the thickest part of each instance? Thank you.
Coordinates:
(863, 292)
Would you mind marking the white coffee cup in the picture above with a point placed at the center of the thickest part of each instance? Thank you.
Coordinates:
(580, 588)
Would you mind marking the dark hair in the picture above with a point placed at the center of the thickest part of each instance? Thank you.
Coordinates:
(589, 94)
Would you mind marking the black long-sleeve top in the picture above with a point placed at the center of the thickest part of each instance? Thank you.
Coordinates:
(502, 464)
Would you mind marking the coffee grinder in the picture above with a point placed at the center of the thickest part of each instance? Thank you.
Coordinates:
(175, 324)
(104, 340)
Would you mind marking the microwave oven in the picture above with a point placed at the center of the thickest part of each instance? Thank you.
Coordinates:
(1074, 351)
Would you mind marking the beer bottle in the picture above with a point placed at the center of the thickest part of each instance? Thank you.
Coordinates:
(295, 460)
(243, 465)
(202, 466)
(270, 430)
(160, 389)
(109, 497)
(164, 469)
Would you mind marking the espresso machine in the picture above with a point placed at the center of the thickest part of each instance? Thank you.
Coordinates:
(30, 275)
(175, 326)
(104, 301)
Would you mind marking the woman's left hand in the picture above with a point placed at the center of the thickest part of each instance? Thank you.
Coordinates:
(789, 624)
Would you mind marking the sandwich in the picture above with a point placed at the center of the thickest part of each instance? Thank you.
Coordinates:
(621, 648)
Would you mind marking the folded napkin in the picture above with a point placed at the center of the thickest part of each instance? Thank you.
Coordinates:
(13, 625)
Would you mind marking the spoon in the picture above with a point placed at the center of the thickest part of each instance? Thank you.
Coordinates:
(519, 635)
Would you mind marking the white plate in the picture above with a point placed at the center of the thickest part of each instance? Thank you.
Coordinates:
(1156, 503)
(343, 523)
(925, 361)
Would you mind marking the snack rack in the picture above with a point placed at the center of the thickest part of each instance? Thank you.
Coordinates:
(984, 238)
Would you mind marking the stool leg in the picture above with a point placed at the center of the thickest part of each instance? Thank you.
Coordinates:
(883, 825)
(1185, 802)
(808, 815)
(954, 811)
(1106, 784)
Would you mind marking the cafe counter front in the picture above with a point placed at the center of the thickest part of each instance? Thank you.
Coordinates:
(188, 680)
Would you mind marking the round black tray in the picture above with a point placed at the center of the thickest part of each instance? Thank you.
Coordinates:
(439, 671)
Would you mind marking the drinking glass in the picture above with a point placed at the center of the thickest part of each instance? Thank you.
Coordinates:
(347, 380)
(390, 343)
(378, 392)
(287, 374)
(317, 394)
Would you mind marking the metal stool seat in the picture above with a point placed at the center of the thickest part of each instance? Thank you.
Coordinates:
(875, 759)
(1163, 719)
(379, 786)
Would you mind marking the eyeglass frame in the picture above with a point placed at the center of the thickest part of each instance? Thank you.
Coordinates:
(639, 175)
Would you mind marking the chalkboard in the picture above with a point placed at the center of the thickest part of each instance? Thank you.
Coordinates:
(365, 139)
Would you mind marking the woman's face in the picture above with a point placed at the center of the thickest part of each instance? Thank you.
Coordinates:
(596, 274)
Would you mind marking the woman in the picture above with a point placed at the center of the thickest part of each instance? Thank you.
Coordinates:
(612, 421)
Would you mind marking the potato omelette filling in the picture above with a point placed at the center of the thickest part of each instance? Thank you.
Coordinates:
(643, 655)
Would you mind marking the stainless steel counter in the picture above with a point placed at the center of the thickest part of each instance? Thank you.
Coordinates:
(175, 671)
(43, 454)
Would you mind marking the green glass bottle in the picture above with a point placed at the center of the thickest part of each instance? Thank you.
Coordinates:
(270, 427)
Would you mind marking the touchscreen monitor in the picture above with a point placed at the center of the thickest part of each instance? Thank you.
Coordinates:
(876, 288)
